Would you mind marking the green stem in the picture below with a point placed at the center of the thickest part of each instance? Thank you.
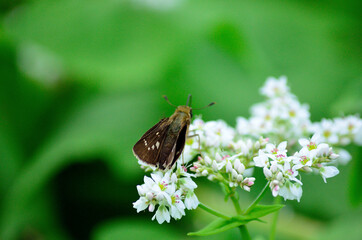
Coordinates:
(258, 198)
(277, 200)
(213, 212)
(243, 230)
(236, 205)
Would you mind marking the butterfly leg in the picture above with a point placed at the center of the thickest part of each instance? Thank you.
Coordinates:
(198, 139)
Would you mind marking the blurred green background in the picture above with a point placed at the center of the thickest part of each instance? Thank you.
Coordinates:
(81, 81)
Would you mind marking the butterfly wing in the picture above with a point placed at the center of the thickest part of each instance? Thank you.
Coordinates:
(148, 148)
(173, 145)
(180, 144)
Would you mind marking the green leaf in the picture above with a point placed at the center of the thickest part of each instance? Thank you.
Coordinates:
(217, 226)
(263, 210)
(259, 211)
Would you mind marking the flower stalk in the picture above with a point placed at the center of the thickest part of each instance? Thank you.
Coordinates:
(213, 212)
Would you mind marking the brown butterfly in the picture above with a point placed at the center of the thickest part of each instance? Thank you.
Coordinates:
(163, 144)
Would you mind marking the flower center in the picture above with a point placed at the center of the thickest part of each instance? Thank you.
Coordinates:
(274, 151)
(175, 199)
(327, 133)
(304, 160)
(280, 157)
(163, 186)
(312, 146)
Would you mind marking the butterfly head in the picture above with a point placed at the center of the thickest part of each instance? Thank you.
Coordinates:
(186, 108)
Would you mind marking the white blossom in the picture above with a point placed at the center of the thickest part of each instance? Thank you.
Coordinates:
(328, 172)
(275, 87)
(171, 192)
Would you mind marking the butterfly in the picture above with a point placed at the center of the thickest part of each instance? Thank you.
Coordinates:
(163, 143)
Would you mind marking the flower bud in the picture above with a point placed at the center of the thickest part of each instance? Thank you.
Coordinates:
(239, 178)
(215, 166)
(234, 173)
(275, 182)
(237, 163)
(204, 173)
(229, 167)
(207, 160)
(333, 156)
(280, 176)
(246, 188)
(140, 190)
(218, 158)
(174, 178)
(239, 166)
(149, 196)
(307, 169)
(151, 208)
(267, 173)
(251, 181)
(273, 168)
(275, 191)
(249, 144)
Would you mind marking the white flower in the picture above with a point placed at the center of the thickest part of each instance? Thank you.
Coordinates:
(217, 133)
(344, 156)
(146, 167)
(261, 160)
(291, 191)
(358, 137)
(242, 126)
(312, 143)
(188, 184)
(323, 150)
(240, 168)
(141, 204)
(162, 214)
(243, 146)
(167, 191)
(177, 207)
(290, 172)
(229, 167)
(326, 129)
(281, 149)
(275, 87)
(328, 172)
(304, 158)
(268, 174)
(191, 201)
(275, 190)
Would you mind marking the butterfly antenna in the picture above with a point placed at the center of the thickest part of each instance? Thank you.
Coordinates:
(210, 104)
(189, 98)
(168, 101)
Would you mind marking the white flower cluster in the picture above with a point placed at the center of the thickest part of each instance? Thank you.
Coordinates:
(281, 116)
(172, 192)
(228, 155)
(282, 170)
(223, 169)
(339, 131)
